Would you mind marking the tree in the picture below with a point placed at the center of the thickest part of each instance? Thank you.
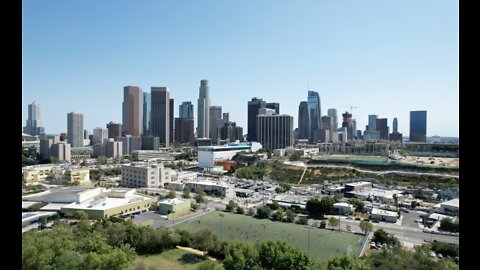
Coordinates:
(186, 192)
(366, 226)
(279, 254)
(275, 205)
(263, 212)
(326, 205)
(81, 215)
(323, 224)
(285, 186)
(447, 225)
(290, 215)
(347, 263)
(53, 159)
(204, 240)
(251, 212)
(231, 206)
(240, 256)
(102, 160)
(208, 265)
(359, 205)
(333, 222)
(240, 210)
(278, 215)
(294, 156)
(171, 194)
(302, 220)
(381, 236)
(200, 196)
(313, 206)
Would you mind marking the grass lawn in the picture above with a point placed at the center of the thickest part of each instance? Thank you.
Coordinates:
(324, 244)
(351, 157)
(171, 259)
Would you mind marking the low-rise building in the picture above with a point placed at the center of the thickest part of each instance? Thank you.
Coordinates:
(342, 208)
(377, 195)
(176, 206)
(450, 208)
(33, 175)
(139, 174)
(96, 202)
(213, 187)
(356, 186)
(383, 215)
(148, 155)
(208, 155)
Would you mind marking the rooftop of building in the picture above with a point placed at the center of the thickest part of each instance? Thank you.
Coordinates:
(103, 202)
(29, 216)
(358, 183)
(342, 204)
(172, 201)
(376, 211)
(377, 192)
(452, 203)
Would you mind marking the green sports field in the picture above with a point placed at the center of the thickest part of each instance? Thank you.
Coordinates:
(324, 244)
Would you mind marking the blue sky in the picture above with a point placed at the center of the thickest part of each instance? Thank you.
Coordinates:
(384, 57)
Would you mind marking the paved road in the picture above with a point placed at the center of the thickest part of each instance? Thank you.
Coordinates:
(406, 233)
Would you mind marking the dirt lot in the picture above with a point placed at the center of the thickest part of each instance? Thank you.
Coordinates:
(437, 161)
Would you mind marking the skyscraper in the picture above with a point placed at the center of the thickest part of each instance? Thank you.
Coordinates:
(347, 123)
(226, 117)
(395, 135)
(273, 105)
(253, 106)
(186, 110)
(160, 122)
(395, 125)
(215, 122)
(34, 123)
(304, 121)
(132, 108)
(275, 131)
(372, 121)
(203, 124)
(315, 113)
(333, 113)
(382, 126)
(75, 129)
(184, 130)
(114, 130)
(418, 126)
(99, 134)
(172, 119)
(147, 105)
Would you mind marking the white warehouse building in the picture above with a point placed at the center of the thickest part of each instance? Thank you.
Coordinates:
(208, 155)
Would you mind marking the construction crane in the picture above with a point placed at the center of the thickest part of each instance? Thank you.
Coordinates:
(351, 108)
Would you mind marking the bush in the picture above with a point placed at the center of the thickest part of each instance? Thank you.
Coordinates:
(263, 212)
(302, 220)
(240, 210)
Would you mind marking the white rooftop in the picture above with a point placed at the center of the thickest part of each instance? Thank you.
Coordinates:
(359, 183)
(342, 205)
(452, 203)
(376, 211)
(104, 203)
(173, 201)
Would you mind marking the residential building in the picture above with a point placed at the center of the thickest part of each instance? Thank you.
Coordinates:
(61, 151)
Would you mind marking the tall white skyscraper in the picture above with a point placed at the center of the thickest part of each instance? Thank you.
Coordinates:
(333, 113)
(203, 124)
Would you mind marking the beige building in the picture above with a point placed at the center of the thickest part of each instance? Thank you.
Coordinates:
(138, 174)
(62, 151)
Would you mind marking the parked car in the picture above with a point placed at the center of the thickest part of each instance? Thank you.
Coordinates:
(357, 218)
(375, 221)
(432, 254)
(439, 255)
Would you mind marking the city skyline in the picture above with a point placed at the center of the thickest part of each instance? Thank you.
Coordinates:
(408, 63)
